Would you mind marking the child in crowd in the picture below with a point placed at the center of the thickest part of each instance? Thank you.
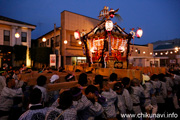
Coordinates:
(65, 110)
(111, 97)
(36, 110)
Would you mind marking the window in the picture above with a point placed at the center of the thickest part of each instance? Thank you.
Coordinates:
(52, 42)
(6, 35)
(48, 42)
(138, 51)
(24, 37)
(57, 40)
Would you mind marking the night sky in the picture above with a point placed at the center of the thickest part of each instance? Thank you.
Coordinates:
(159, 19)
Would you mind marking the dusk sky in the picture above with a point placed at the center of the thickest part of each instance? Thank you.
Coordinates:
(159, 19)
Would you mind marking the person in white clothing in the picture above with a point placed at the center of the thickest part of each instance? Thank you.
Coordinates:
(41, 82)
(7, 95)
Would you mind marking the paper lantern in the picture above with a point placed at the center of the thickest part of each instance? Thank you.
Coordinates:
(109, 25)
(76, 35)
(139, 33)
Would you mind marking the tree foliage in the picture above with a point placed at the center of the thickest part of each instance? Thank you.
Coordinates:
(40, 54)
(20, 52)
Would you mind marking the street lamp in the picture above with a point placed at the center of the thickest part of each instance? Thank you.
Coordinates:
(44, 39)
(17, 35)
(65, 42)
(79, 42)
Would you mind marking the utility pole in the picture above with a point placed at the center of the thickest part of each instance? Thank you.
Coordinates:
(54, 42)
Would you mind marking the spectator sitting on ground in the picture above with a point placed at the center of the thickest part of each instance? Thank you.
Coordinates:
(29, 70)
(23, 68)
(47, 70)
(18, 81)
(36, 110)
(64, 111)
(41, 82)
(10, 70)
(69, 77)
(15, 75)
(89, 72)
(54, 78)
(77, 70)
(61, 69)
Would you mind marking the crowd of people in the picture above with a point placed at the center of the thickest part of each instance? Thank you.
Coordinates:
(158, 93)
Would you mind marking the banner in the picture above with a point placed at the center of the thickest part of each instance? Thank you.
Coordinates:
(52, 60)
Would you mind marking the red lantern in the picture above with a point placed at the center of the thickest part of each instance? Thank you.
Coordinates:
(111, 13)
(139, 33)
(76, 35)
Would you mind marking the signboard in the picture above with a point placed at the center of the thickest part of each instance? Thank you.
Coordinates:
(52, 60)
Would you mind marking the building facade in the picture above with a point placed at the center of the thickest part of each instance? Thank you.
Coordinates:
(52, 40)
(8, 28)
(142, 55)
(70, 53)
(167, 51)
(70, 22)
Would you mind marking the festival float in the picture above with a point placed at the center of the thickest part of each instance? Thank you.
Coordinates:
(107, 44)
